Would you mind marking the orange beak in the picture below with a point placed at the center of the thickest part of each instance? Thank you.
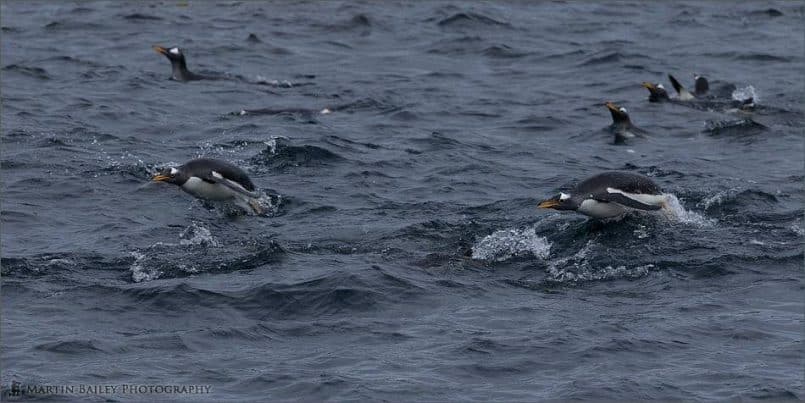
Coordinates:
(550, 203)
(160, 49)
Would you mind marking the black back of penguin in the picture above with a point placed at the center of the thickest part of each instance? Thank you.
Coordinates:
(202, 167)
(624, 181)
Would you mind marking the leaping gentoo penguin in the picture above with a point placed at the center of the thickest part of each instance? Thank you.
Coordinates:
(610, 194)
(216, 180)
(622, 125)
(179, 71)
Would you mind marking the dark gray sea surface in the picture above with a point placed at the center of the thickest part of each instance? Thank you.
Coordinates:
(402, 256)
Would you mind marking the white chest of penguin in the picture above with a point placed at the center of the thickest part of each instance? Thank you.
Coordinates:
(205, 190)
(598, 209)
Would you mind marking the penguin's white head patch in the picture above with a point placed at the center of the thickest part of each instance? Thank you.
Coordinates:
(622, 109)
(174, 171)
(660, 86)
(174, 51)
(564, 196)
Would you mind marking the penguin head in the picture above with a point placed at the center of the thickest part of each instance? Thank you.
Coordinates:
(173, 54)
(702, 86)
(562, 201)
(171, 175)
(657, 92)
(619, 114)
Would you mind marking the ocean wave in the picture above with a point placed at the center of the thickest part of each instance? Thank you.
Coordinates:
(470, 20)
(280, 154)
(737, 200)
(59, 264)
(361, 24)
(611, 57)
(35, 72)
(141, 17)
(584, 265)
(198, 251)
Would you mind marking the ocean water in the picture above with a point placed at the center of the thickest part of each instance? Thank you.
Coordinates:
(402, 257)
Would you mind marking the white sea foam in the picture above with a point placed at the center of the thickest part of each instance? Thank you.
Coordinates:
(144, 269)
(674, 211)
(272, 143)
(196, 234)
(741, 94)
(504, 244)
(275, 83)
(138, 270)
(716, 199)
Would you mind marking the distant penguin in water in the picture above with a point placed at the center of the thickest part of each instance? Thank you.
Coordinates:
(701, 86)
(215, 180)
(657, 92)
(610, 194)
(622, 125)
(701, 90)
(701, 99)
(179, 71)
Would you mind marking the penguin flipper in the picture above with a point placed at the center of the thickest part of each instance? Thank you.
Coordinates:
(677, 86)
(626, 201)
(219, 179)
(684, 94)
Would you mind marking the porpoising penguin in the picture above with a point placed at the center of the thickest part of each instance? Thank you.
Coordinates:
(610, 194)
(215, 180)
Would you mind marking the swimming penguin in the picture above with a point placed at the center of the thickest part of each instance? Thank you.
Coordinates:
(701, 85)
(621, 125)
(657, 92)
(610, 194)
(179, 71)
(700, 101)
(216, 180)
(722, 93)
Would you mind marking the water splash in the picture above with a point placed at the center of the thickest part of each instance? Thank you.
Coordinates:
(270, 203)
(197, 235)
(674, 211)
(742, 94)
(504, 244)
(139, 272)
(717, 198)
(146, 266)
